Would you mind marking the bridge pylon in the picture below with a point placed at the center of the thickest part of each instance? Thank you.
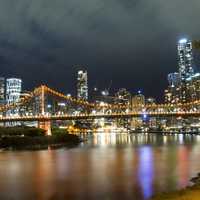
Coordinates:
(45, 125)
(42, 100)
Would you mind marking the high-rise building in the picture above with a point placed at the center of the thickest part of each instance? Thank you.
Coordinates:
(138, 101)
(82, 85)
(174, 79)
(181, 86)
(123, 97)
(174, 95)
(193, 87)
(13, 90)
(185, 59)
(2, 90)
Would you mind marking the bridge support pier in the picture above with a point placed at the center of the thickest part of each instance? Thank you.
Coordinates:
(45, 125)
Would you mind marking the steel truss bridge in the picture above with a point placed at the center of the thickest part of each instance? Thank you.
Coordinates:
(44, 105)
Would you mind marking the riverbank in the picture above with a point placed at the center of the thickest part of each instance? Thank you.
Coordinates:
(189, 193)
(27, 138)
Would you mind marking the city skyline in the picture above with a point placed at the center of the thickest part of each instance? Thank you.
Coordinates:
(94, 84)
(185, 71)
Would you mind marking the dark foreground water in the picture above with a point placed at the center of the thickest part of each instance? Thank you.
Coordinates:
(107, 166)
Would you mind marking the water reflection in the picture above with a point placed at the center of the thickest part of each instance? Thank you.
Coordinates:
(145, 171)
(106, 166)
(117, 139)
(183, 165)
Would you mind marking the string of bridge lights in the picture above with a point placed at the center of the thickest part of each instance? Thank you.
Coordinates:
(46, 90)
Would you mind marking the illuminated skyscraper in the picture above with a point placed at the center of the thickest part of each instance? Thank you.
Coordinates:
(82, 85)
(13, 90)
(123, 97)
(138, 101)
(2, 90)
(185, 59)
(174, 79)
(182, 85)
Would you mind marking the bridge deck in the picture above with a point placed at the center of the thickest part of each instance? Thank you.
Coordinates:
(98, 116)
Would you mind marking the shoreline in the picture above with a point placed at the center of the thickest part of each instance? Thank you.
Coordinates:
(187, 193)
(41, 147)
(31, 138)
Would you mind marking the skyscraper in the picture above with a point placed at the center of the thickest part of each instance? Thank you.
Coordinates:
(2, 90)
(181, 85)
(123, 97)
(174, 79)
(82, 85)
(185, 59)
(138, 101)
(13, 90)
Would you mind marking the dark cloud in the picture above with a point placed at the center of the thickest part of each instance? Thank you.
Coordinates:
(132, 42)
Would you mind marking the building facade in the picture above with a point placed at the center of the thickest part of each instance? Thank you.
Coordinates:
(82, 85)
(173, 94)
(183, 85)
(193, 87)
(138, 101)
(13, 90)
(123, 97)
(2, 90)
(185, 59)
(174, 79)
(137, 104)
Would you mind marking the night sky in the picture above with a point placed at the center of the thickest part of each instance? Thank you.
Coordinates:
(131, 42)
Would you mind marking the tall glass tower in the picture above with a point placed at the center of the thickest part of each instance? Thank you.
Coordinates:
(2, 90)
(185, 59)
(13, 90)
(82, 85)
(174, 79)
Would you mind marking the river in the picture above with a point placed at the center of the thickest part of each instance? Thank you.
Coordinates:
(106, 166)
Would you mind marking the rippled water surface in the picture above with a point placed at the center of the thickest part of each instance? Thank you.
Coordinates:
(106, 166)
